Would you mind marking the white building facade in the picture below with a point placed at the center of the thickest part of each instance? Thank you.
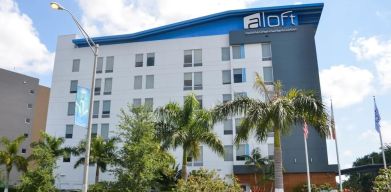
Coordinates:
(158, 66)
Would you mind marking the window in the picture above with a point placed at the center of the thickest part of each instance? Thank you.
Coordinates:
(239, 75)
(108, 86)
(106, 109)
(228, 127)
(228, 153)
(94, 130)
(227, 97)
(109, 64)
(68, 131)
(139, 60)
(270, 150)
(149, 103)
(76, 65)
(199, 99)
(226, 77)
(237, 124)
(98, 85)
(268, 75)
(23, 150)
(66, 159)
(26, 135)
(241, 152)
(225, 54)
(149, 82)
(95, 110)
(71, 108)
(197, 57)
(104, 131)
(188, 58)
(150, 59)
(31, 91)
(199, 161)
(188, 82)
(27, 120)
(137, 102)
(266, 52)
(240, 94)
(29, 106)
(138, 82)
(238, 52)
(99, 65)
(73, 88)
(197, 80)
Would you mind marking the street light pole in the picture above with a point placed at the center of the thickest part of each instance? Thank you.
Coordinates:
(94, 48)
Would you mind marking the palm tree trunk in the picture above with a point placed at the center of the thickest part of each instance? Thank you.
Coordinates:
(97, 174)
(255, 178)
(278, 176)
(184, 165)
(7, 179)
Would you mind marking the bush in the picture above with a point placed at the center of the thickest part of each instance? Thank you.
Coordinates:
(102, 187)
(205, 181)
(314, 188)
(382, 182)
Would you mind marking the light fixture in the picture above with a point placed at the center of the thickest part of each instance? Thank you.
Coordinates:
(55, 5)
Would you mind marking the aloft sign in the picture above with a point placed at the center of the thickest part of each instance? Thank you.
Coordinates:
(268, 20)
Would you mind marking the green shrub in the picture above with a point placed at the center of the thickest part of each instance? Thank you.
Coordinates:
(314, 188)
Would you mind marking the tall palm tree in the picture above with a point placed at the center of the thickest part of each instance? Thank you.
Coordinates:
(187, 127)
(9, 156)
(54, 144)
(278, 113)
(102, 153)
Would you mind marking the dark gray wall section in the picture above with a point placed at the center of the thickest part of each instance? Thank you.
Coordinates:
(295, 65)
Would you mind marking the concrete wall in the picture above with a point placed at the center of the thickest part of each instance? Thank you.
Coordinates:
(40, 112)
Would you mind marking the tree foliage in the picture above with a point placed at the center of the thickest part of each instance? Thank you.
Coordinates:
(382, 182)
(141, 157)
(203, 180)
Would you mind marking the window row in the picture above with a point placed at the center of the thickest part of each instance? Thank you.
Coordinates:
(191, 58)
(107, 86)
(104, 131)
(148, 102)
(242, 151)
(106, 104)
(139, 59)
(149, 82)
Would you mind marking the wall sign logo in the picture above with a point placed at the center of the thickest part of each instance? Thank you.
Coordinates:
(265, 20)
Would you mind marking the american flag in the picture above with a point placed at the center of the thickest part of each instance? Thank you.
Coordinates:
(377, 117)
(332, 123)
(305, 130)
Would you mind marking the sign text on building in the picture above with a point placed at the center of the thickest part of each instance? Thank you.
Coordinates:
(264, 20)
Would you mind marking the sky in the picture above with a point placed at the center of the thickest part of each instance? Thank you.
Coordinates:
(353, 45)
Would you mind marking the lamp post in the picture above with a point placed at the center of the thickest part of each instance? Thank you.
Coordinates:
(94, 48)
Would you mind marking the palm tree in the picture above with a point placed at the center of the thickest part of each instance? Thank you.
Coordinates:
(257, 160)
(187, 127)
(102, 153)
(9, 157)
(277, 114)
(54, 144)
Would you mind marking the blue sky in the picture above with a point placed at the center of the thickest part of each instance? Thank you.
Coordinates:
(353, 46)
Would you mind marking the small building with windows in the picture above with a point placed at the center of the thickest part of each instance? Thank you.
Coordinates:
(23, 112)
(215, 57)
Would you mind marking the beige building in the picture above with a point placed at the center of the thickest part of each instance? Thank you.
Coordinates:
(23, 111)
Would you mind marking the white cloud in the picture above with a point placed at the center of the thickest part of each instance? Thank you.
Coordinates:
(369, 134)
(376, 50)
(102, 17)
(20, 46)
(386, 131)
(346, 85)
(348, 153)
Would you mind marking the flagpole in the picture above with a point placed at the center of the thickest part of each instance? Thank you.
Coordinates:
(334, 135)
(306, 158)
(378, 129)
